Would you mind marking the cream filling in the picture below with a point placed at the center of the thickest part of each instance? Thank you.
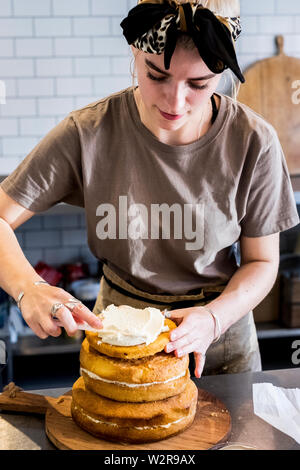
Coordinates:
(128, 326)
(155, 426)
(126, 384)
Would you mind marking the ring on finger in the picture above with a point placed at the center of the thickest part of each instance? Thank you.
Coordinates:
(72, 302)
(56, 307)
(72, 305)
(167, 314)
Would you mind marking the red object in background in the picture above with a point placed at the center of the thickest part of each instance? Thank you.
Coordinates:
(74, 272)
(50, 274)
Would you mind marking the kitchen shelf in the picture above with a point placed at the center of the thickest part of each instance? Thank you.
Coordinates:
(267, 330)
(4, 332)
(32, 345)
(35, 346)
(5, 336)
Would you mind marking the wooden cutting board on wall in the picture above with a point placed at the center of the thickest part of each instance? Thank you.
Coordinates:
(272, 89)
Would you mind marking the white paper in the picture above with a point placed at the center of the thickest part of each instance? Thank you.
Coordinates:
(279, 407)
(2, 353)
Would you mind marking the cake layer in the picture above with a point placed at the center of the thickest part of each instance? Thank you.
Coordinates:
(133, 414)
(157, 368)
(131, 352)
(133, 422)
(135, 380)
(134, 392)
(135, 434)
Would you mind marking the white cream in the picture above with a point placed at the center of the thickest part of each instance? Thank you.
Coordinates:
(128, 326)
(160, 425)
(93, 419)
(133, 427)
(126, 384)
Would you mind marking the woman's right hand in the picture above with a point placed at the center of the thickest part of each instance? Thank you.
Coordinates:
(36, 310)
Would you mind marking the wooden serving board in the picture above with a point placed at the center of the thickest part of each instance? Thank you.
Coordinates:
(212, 424)
(271, 90)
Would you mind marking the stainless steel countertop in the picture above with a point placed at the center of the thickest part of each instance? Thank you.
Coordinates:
(22, 432)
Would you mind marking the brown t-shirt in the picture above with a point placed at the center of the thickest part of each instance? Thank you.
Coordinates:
(164, 218)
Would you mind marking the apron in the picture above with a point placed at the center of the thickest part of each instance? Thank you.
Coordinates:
(237, 349)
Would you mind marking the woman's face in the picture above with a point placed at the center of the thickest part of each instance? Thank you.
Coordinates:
(174, 97)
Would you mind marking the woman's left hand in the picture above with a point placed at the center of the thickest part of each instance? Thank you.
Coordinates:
(195, 333)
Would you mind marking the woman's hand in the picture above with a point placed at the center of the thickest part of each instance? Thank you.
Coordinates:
(195, 333)
(36, 311)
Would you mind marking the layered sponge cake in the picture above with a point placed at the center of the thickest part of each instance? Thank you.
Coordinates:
(135, 380)
(130, 390)
(133, 422)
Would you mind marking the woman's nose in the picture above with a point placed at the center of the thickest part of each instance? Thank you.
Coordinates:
(176, 99)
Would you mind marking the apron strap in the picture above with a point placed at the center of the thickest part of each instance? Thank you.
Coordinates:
(174, 301)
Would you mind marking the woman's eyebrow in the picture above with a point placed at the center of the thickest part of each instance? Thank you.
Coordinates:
(154, 67)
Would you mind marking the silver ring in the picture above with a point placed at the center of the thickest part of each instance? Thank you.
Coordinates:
(56, 307)
(167, 314)
(37, 283)
(71, 305)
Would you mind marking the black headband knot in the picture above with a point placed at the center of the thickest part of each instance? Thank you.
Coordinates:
(154, 27)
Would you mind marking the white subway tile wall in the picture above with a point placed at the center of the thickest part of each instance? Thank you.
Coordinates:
(56, 240)
(60, 55)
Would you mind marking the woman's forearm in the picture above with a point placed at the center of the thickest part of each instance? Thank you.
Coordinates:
(17, 275)
(15, 270)
(247, 288)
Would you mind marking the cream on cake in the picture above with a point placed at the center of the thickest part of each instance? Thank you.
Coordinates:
(128, 326)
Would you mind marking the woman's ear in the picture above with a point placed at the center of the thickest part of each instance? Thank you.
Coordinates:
(134, 51)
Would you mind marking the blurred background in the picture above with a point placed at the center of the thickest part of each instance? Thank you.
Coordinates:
(60, 55)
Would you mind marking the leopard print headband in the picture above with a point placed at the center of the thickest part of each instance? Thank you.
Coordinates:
(153, 26)
(232, 23)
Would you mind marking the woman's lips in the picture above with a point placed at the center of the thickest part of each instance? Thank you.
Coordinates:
(171, 117)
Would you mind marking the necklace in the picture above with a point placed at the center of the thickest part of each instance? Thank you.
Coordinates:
(202, 121)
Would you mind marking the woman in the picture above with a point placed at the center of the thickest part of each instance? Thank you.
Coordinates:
(172, 175)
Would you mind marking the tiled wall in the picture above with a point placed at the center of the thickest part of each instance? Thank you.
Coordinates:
(56, 240)
(58, 55)
(262, 21)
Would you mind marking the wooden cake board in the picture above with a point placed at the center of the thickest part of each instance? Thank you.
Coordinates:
(212, 423)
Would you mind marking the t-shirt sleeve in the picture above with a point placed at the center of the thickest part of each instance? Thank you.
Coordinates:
(270, 206)
(51, 173)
